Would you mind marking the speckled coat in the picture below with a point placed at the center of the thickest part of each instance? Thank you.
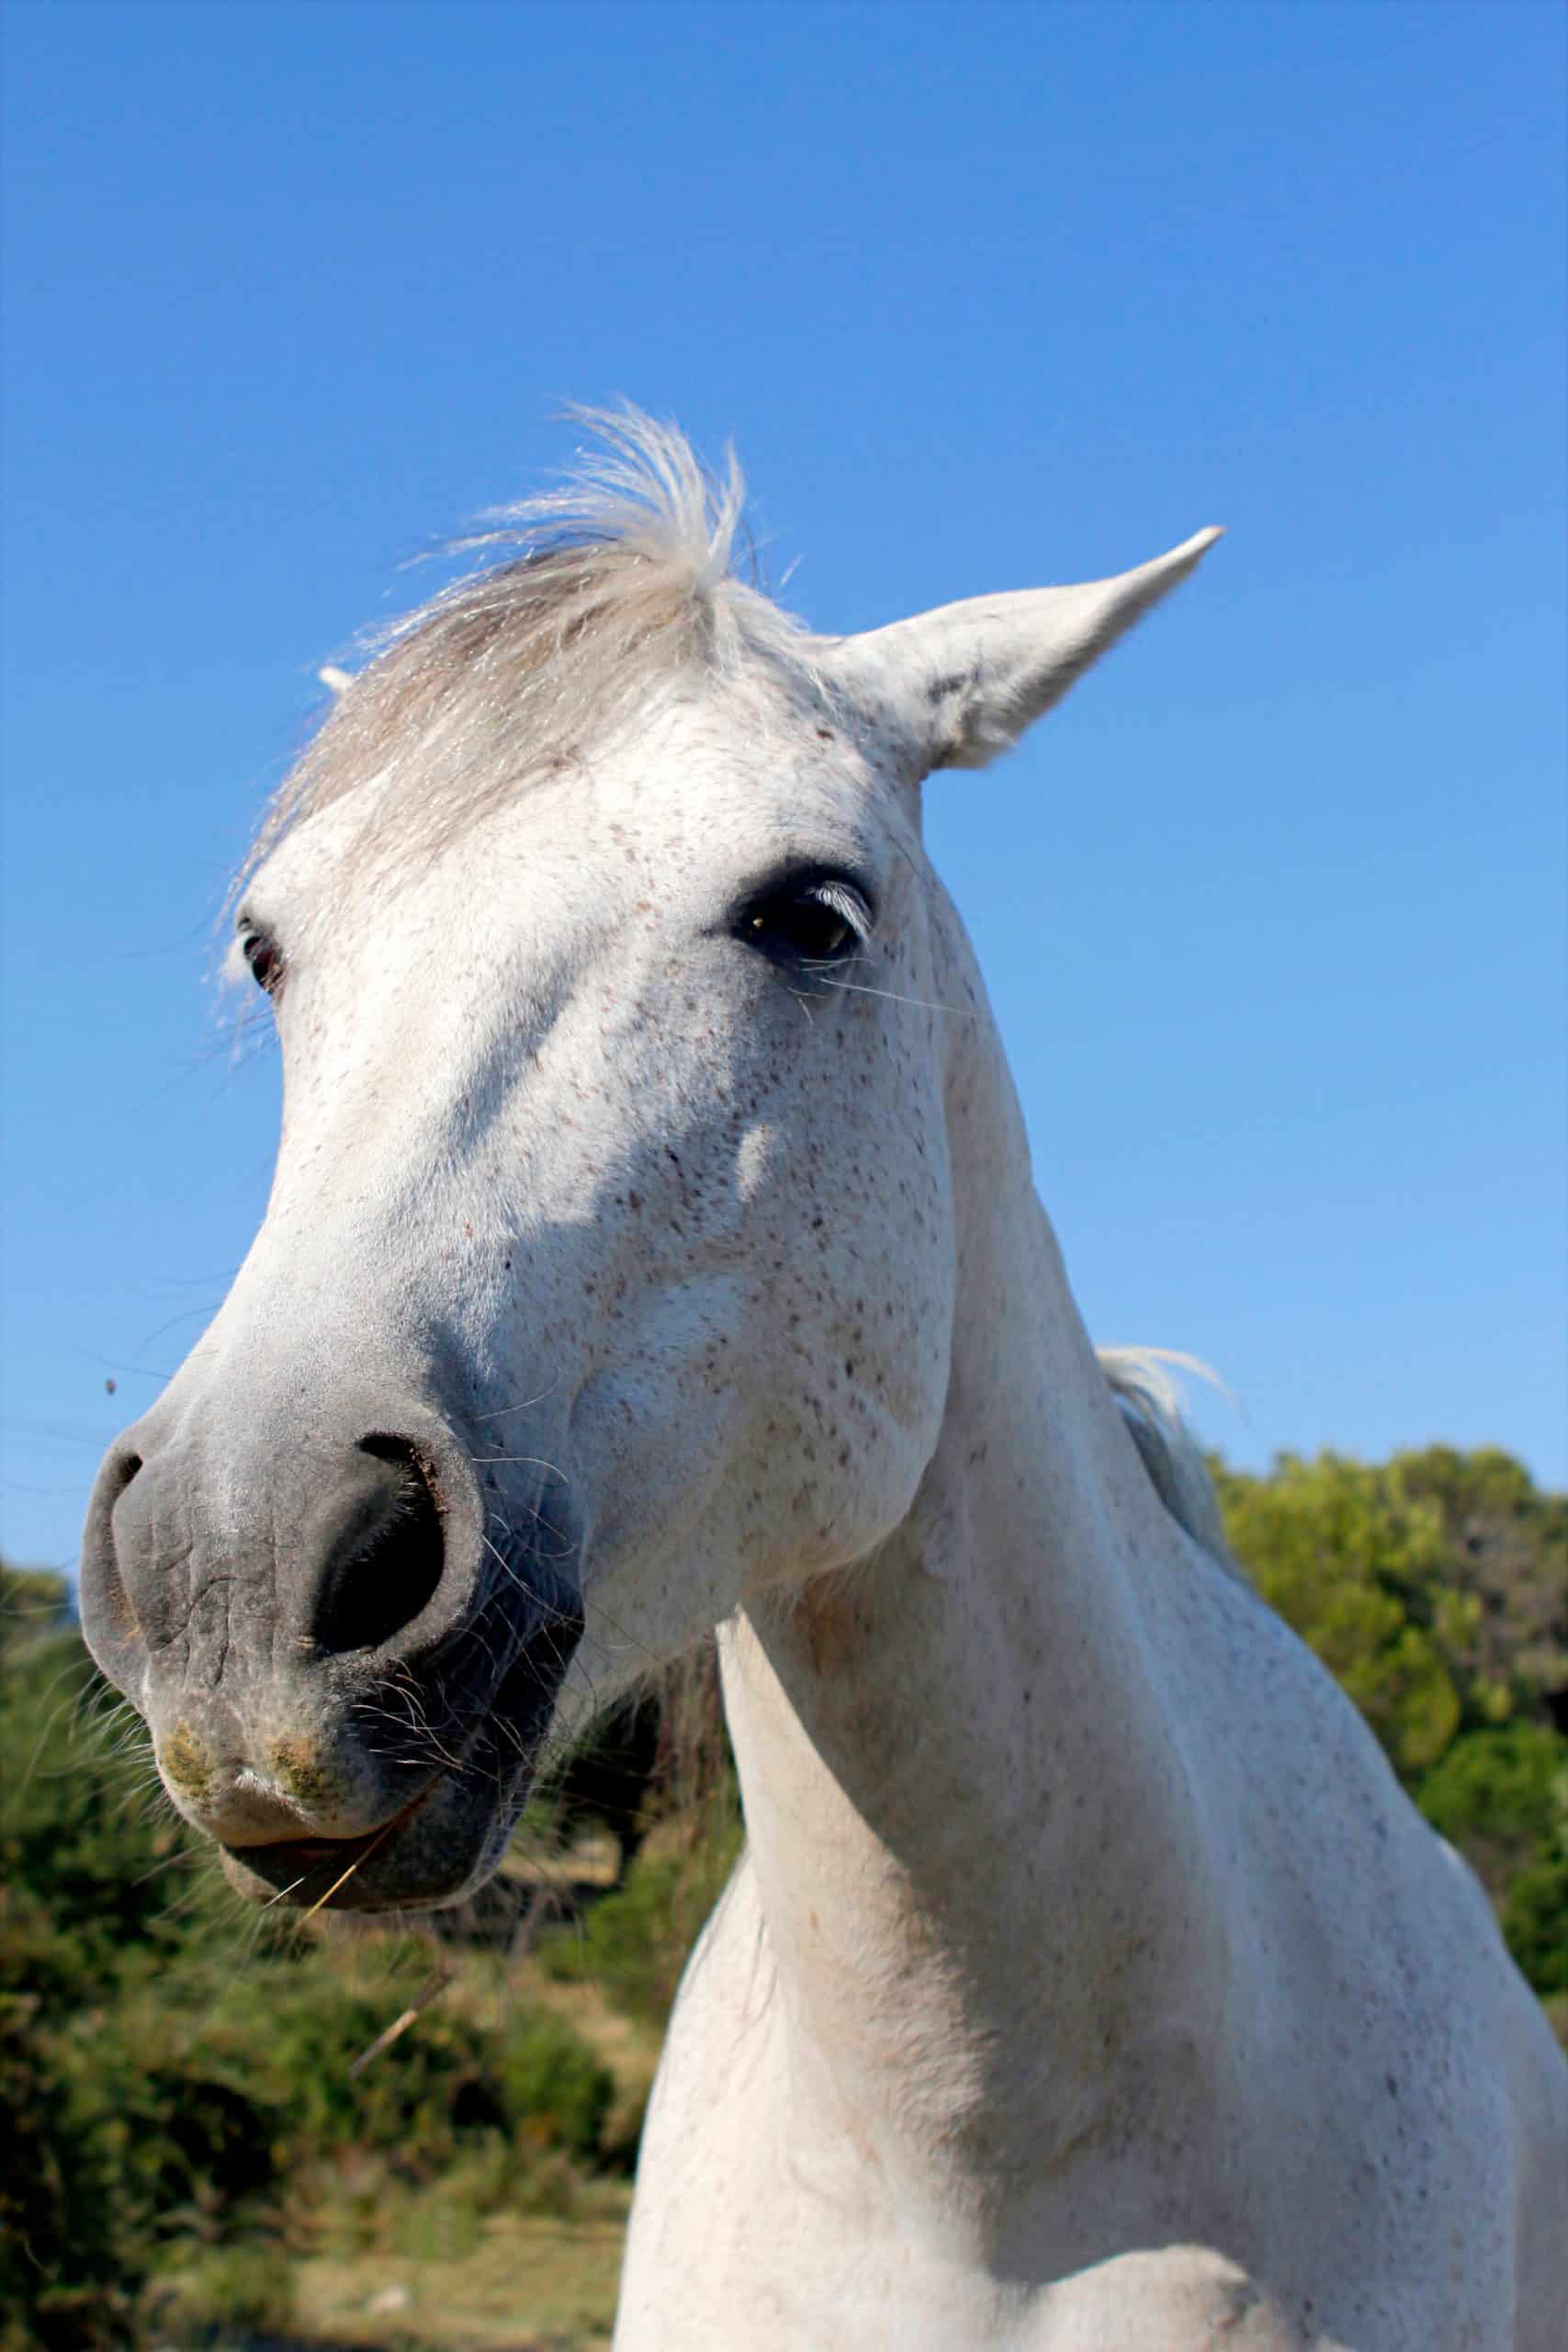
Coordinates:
(654, 1246)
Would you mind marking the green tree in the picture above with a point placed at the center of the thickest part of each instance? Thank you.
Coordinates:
(1506, 1557)
(1502, 1797)
(1435, 1588)
(1355, 1567)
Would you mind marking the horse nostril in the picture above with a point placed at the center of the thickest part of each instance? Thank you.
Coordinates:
(113, 1586)
(114, 1600)
(387, 1554)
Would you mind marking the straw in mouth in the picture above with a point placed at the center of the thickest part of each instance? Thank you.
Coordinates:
(366, 1847)
(304, 1855)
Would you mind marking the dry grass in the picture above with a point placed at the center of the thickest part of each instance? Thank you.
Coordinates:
(528, 2286)
(592, 1859)
(511, 2283)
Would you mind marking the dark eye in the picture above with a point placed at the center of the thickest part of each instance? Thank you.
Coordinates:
(263, 960)
(810, 923)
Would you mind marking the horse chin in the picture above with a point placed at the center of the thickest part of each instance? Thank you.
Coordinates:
(435, 1851)
(440, 1845)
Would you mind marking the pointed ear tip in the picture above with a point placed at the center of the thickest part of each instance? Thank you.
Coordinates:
(1177, 561)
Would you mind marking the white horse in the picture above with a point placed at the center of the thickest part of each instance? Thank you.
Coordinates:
(653, 1247)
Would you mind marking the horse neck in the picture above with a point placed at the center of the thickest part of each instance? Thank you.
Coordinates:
(972, 1823)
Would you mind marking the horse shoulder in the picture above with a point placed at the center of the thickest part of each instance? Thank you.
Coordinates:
(1171, 2299)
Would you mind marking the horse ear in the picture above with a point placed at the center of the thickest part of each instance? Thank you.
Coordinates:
(966, 679)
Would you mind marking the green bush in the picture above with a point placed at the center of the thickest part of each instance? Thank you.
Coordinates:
(83, 1828)
(184, 2089)
(555, 2088)
(1505, 1790)
(183, 2097)
(1435, 1588)
(634, 1944)
(1351, 1563)
(1535, 1923)
(221, 2295)
(1502, 1797)
(65, 2279)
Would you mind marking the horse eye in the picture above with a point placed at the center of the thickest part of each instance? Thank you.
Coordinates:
(263, 960)
(823, 923)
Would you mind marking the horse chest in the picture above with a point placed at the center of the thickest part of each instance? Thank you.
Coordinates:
(757, 2230)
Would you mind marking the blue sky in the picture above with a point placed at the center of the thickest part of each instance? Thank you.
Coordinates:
(1272, 910)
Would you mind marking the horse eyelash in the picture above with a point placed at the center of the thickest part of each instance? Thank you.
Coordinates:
(845, 901)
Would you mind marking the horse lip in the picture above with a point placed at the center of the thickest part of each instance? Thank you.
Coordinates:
(310, 1853)
(397, 1866)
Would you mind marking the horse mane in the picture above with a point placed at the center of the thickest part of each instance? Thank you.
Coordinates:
(586, 603)
(1150, 1405)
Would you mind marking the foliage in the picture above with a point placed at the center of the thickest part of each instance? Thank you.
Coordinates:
(80, 1823)
(1435, 1586)
(63, 2275)
(1508, 1787)
(182, 2101)
(1353, 1566)
(1502, 1797)
(1507, 1551)
(184, 2087)
(635, 1943)
(554, 2088)
(222, 2295)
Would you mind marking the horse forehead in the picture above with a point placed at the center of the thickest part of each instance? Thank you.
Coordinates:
(713, 788)
(731, 772)
(670, 831)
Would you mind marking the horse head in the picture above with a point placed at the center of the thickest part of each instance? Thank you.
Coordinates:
(608, 1273)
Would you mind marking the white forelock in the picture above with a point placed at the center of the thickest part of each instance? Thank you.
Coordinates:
(588, 602)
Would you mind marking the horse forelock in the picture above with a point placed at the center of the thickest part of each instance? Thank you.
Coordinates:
(587, 606)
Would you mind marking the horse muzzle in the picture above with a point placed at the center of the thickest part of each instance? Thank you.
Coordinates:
(348, 1663)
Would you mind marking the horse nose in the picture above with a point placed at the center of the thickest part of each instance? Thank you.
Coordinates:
(352, 1546)
(381, 1548)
